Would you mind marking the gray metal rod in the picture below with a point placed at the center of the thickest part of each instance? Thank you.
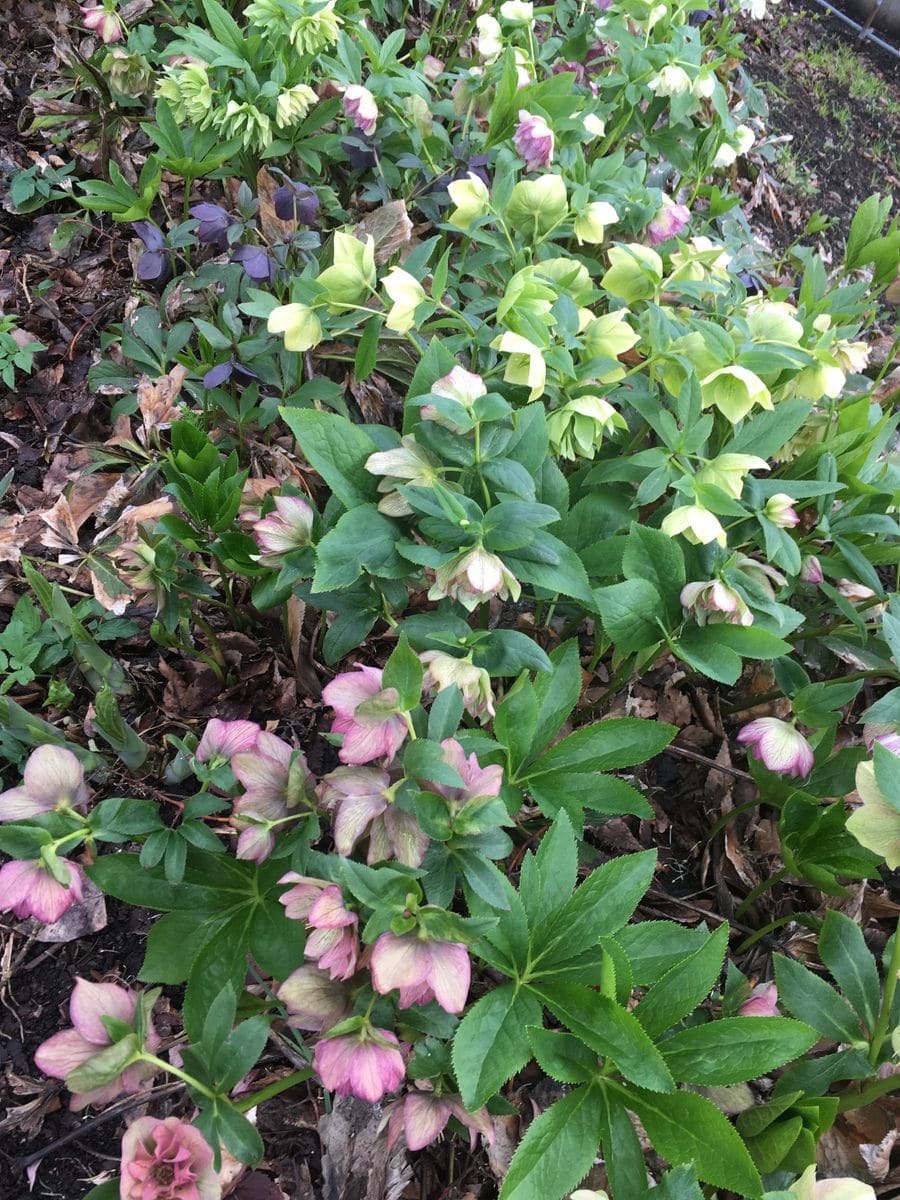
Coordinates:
(865, 34)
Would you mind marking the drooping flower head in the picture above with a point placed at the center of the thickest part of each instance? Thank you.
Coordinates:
(29, 889)
(779, 746)
(295, 201)
(712, 601)
(53, 778)
(422, 970)
(361, 799)
(533, 140)
(762, 1002)
(671, 220)
(300, 325)
(70, 1052)
(463, 387)
(366, 714)
(360, 107)
(288, 528)
(811, 570)
(103, 20)
(214, 224)
(474, 577)
(367, 1064)
(333, 943)
(314, 1000)
(224, 739)
(167, 1160)
(477, 782)
(443, 671)
(695, 523)
(421, 1117)
(781, 512)
(277, 785)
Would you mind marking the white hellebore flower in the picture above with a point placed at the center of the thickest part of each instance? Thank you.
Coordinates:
(696, 524)
(672, 80)
(407, 294)
(520, 11)
(490, 38)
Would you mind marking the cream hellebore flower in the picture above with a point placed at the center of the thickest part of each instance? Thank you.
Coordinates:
(519, 11)
(672, 80)
(490, 38)
(526, 364)
(301, 327)
(704, 85)
(635, 272)
(698, 260)
(727, 472)
(852, 356)
(773, 321)
(593, 125)
(608, 337)
(352, 276)
(576, 430)
(591, 222)
(472, 200)
(406, 463)
(462, 386)
(407, 294)
(734, 391)
(876, 823)
(741, 141)
(696, 524)
(293, 105)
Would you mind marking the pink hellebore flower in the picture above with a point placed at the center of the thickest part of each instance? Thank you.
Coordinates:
(533, 140)
(366, 714)
(890, 741)
(473, 577)
(671, 220)
(62, 1053)
(289, 527)
(299, 900)
(811, 570)
(224, 739)
(360, 107)
(478, 782)
(713, 602)
(421, 970)
(421, 1118)
(53, 778)
(367, 1064)
(762, 1002)
(779, 746)
(277, 784)
(333, 943)
(781, 512)
(360, 798)
(104, 21)
(313, 999)
(27, 889)
(443, 670)
(167, 1160)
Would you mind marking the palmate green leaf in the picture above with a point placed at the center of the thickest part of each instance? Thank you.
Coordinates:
(811, 999)
(491, 1043)
(337, 449)
(683, 987)
(557, 1151)
(735, 1049)
(844, 952)
(600, 906)
(686, 1128)
(363, 540)
(630, 612)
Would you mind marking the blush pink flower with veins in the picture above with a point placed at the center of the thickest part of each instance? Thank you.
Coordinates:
(333, 943)
(779, 746)
(365, 713)
(53, 778)
(69, 1049)
(477, 781)
(27, 889)
(421, 1117)
(421, 970)
(367, 1064)
(360, 798)
(167, 1160)
(103, 21)
(224, 739)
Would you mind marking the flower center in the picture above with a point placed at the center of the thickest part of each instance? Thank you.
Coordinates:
(163, 1174)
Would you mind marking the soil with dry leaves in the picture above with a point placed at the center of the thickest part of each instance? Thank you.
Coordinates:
(50, 431)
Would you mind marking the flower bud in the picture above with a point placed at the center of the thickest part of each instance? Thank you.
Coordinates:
(762, 1002)
(214, 223)
(533, 140)
(714, 602)
(811, 570)
(594, 126)
(780, 511)
(294, 201)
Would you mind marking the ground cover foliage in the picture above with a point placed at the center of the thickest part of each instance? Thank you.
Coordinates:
(455, 397)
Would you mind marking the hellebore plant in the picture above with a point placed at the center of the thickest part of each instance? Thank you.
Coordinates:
(779, 746)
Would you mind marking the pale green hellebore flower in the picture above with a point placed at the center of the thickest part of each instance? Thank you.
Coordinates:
(352, 276)
(635, 272)
(407, 294)
(526, 364)
(301, 327)
(734, 391)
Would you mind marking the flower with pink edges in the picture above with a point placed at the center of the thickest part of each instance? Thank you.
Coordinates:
(478, 782)
(53, 779)
(223, 739)
(762, 1002)
(288, 528)
(360, 107)
(313, 999)
(671, 220)
(334, 942)
(167, 1160)
(28, 889)
(781, 512)
(421, 970)
(63, 1053)
(366, 714)
(713, 602)
(299, 900)
(420, 1117)
(473, 577)
(444, 670)
(367, 1064)
(459, 385)
(104, 21)
(811, 570)
(277, 786)
(533, 140)
(362, 802)
(779, 746)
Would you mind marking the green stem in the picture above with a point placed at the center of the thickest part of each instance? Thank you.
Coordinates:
(274, 1089)
(759, 890)
(182, 1075)
(887, 1002)
(880, 1087)
(759, 934)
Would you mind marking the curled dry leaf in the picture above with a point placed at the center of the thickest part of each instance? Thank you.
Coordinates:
(390, 227)
(156, 400)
